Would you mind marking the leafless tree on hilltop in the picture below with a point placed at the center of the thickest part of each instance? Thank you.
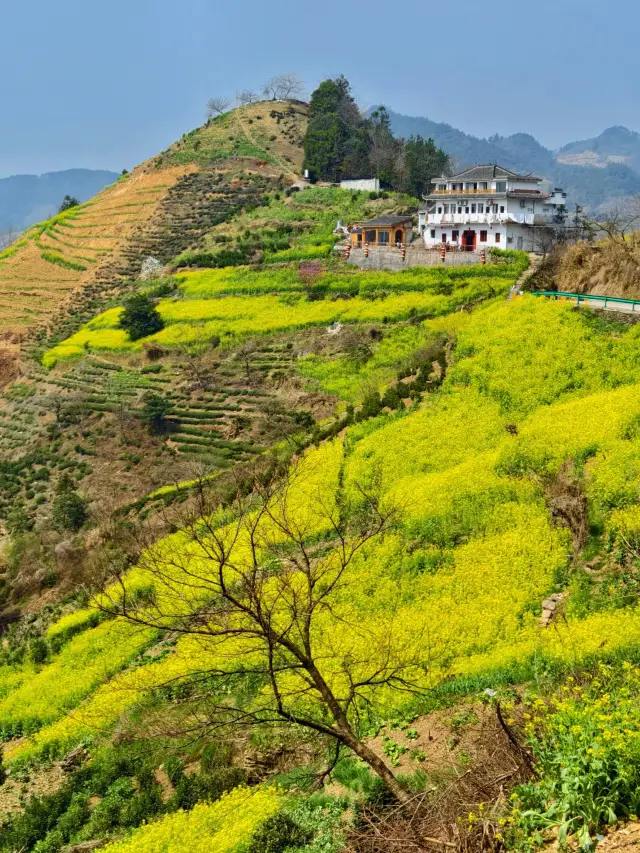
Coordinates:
(245, 97)
(217, 106)
(283, 87)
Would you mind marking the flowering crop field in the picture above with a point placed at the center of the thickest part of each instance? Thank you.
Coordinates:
(478, 550)
(222, 827)
(205, 310)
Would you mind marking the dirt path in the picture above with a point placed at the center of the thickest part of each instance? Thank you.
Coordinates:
(244, 129)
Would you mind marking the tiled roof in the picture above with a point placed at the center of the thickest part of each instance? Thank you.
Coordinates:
(487, 173)
(387, 220)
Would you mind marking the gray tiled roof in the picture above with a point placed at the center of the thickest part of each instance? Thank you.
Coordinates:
(388, 220)
(487, 173)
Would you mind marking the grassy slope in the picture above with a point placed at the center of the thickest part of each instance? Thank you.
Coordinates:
(474, 463)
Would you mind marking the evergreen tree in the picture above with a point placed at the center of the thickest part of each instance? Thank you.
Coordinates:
(140, 317)
(336, 144)
(423, 160)
(67, 203)
(154, 411)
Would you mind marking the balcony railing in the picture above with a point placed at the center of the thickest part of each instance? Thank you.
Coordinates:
(490, 219)
(465, 192)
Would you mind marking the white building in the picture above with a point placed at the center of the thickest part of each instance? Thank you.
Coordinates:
(488, 206)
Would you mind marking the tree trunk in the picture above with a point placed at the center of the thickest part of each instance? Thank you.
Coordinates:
(380, 768)
(350, 739)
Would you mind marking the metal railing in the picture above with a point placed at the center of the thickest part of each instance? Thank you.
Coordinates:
(579, 298)
(488, 191)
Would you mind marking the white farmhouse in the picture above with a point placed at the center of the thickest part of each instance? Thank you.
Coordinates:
(488, 206)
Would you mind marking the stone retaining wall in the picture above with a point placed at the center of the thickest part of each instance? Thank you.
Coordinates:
(416, 256)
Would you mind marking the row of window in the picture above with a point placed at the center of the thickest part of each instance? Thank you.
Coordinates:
(501, 186)
(474, 208)
(455, 236)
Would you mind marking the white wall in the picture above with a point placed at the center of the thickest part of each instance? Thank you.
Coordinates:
(366, 184)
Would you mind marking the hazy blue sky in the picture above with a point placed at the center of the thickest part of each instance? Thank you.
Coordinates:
(106, 85)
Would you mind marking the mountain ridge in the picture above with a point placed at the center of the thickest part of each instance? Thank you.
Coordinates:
(595, 172)
(26, 199)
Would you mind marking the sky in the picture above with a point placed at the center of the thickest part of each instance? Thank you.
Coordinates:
(86, 84)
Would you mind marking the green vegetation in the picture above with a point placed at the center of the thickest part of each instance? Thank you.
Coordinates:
(341, 143)
(397, 505)
(67, 203)
(139, 317)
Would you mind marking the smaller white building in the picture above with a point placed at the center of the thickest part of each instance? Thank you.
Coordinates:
(489, 206)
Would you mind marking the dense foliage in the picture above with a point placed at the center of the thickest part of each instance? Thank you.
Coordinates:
(341, 143)
(139, 317)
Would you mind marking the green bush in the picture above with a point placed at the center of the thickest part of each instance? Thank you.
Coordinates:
(277, 834)
(140, 317)
(154, 412)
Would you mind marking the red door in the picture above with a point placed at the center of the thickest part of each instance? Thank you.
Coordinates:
(469, 240)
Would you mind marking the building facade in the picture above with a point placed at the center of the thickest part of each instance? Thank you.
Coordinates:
(385, 231)
(489, 206)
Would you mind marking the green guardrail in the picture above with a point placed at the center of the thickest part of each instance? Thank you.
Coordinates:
(587, 297)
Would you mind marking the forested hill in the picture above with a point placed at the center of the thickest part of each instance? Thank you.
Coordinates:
(594, 172)
(25, 199)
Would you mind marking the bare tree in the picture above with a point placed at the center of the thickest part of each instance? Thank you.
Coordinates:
(283, 87)
(270, 598)
(8, 237)
(246, 96)
(619, 228)
(197, 363)
(217, 106)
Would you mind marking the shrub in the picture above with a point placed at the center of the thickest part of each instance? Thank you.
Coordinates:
(140, 317)
(67, 203)
(277, 834)
(155, 409)
(69, 508)
(38, 650)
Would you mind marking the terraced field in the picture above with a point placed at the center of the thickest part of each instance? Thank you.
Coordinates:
(160, 209)
(78, 249)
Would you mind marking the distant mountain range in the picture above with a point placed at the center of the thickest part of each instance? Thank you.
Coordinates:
(25, 199)
(596, 173)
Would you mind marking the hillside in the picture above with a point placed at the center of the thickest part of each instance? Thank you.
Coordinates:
(25, 199)
(596, 173)
(324, 560)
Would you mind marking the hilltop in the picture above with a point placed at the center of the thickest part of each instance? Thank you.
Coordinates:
(309, 558)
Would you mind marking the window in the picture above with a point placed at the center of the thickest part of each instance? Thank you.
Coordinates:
(481, 208)
(370, 236)
(439, 210)
(444, 237)
(459, 210)
(454, 236)
(483, 186)
(523, 203)
(383, 238)
(466, 210)
(475, 186)
(497, 236)
(433, 233)
(501, 186)
(483, 236)
(502, 208)
(473, 208)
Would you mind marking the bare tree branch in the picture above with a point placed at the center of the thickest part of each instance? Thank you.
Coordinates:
(266, 584)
